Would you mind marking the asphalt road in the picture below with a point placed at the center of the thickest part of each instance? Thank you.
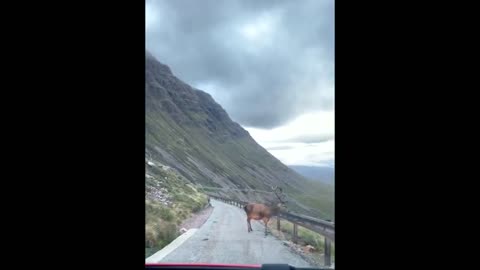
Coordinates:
(223, 238)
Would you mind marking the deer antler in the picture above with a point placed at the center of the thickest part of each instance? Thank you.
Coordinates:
(280, 195)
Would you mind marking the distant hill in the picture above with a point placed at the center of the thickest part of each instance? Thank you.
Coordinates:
(322, 174)
(189, 132)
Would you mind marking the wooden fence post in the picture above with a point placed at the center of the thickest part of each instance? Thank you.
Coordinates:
(295, 233)
(328, 249)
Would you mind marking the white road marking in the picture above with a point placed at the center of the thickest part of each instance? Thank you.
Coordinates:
(159, 255)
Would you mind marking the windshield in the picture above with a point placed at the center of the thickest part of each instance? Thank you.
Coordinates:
(239, 124)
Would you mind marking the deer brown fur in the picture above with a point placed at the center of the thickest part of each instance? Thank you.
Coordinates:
(258, 211)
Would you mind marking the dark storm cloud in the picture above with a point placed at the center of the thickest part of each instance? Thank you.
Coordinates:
(265, 62)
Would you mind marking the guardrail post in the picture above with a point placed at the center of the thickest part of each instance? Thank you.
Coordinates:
(295, 233)
(328, 249)
(278, 224)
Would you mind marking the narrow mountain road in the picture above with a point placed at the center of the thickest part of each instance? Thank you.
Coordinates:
(223, 238)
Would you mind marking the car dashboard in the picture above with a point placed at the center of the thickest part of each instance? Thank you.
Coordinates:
(167, 266)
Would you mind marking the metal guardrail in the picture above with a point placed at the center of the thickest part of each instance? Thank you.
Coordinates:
(227, 189)
(323, 227)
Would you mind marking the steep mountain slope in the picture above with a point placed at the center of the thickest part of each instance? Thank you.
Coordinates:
(187, 130)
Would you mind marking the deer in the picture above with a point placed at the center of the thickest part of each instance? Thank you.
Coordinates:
(258, 211)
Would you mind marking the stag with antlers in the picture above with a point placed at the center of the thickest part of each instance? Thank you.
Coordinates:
(264, 212)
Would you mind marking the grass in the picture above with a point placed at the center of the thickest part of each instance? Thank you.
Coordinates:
(230, 159)
(160, 227)
(305, 236)
(162, 221)
(185, 135)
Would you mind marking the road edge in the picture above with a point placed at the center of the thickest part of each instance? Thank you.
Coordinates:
(159, 255)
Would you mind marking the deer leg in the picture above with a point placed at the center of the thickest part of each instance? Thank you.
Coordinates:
(265, 220)
(249, 225)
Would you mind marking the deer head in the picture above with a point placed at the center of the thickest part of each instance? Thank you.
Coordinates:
(280, 196)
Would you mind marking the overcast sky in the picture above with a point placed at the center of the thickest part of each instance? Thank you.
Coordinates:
(269, 63)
